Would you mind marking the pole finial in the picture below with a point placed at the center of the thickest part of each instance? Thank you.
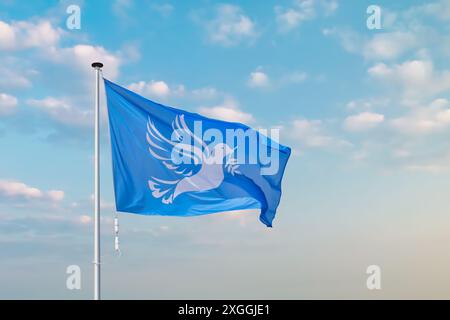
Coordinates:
(97, 65)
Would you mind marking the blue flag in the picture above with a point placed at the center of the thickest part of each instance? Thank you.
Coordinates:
(172, 162)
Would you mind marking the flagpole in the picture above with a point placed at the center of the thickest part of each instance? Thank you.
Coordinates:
(97, 66)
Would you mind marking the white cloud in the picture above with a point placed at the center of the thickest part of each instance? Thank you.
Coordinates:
(363, 121)
(162, 90)
(379, 70)
(205, 93)
(406, 54)
(230, 26)
(330, 6)
(7, 36)
(10, 78)
(8, 104)
(439, 9)
(311, 133)
(61, 111)
(120, 8)
(380, 46)
(23, 35)
(417, 78)
(294, 77)
(350, 40)
(43, 42)
(85, 219)
(156, 89)
(368, 104)
(425, 120)
(429, 168)
(403, 32)
(389, 45)
(227, 111)
(353, 104)
(18, 190)
(258, 79)
(152, 88)
(289, 18)
(82, 55)
(439, 163)
(301, 11)
(55, 195)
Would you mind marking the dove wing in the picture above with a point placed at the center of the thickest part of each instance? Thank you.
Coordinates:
(163, 148)
(179, 126)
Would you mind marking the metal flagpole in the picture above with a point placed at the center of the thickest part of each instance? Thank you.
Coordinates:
(97, 66)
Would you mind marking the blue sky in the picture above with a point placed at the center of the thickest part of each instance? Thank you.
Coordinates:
(366, 112)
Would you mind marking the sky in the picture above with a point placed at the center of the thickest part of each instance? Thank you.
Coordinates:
(366, 112)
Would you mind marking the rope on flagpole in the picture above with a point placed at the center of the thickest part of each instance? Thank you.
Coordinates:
(116, 235)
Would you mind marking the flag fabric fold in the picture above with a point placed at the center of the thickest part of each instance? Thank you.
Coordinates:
(172, 162)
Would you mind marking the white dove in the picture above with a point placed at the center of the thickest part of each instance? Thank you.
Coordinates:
(206, 170)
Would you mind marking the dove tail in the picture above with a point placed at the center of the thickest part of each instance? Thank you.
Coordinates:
(163, 189)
